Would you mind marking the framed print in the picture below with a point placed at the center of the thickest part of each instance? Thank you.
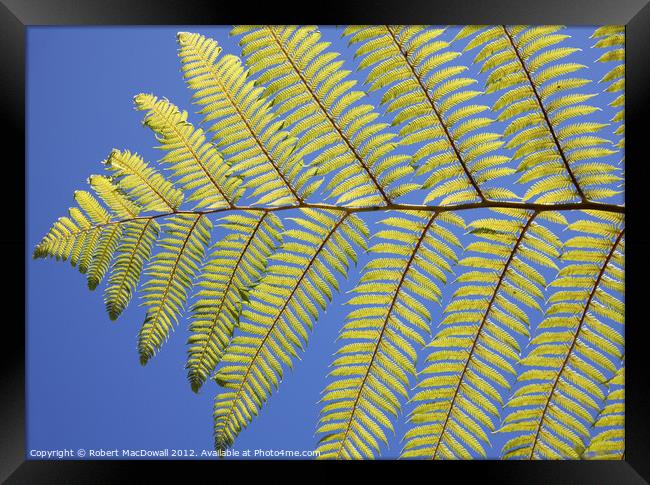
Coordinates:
(398, 234)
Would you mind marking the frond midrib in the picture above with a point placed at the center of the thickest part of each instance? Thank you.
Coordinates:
(488, 204)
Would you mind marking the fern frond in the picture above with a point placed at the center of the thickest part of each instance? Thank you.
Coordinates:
(472, 358)
(575, 350)
(609, 441)
(544, 111)
(247, 132)
(425, 92)
(134, 250)
(383, 333)
(144, 185)
(313, 92)
(281, 308)
(195, 163)
(234, 266)
(289, 121)
(171, 274)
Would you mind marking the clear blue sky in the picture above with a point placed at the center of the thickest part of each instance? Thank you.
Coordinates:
(85, 386)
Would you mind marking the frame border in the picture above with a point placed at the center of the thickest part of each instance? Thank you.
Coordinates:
(17, 15)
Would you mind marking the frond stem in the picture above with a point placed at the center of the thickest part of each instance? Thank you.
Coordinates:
(488, 204)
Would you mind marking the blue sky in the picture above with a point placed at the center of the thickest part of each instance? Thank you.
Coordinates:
(85, 386)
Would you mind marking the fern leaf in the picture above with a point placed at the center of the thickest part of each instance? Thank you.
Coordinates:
(134, 250)
(282, 307)
(144, 185)
(460, 391)
(91, 206)
(383, 333)
(194, 162)
(424, 92)
(291, 122)
(233, 268)
(103, 254)
(247, 132)
(309, 87)
(573, 348)
(171, 274)
(526, 64)
(71, 237)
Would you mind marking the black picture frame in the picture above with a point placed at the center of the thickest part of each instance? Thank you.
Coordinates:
(17, 15)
